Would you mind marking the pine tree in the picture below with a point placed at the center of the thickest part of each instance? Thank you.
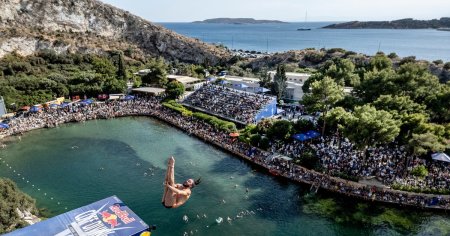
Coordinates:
(279, 82)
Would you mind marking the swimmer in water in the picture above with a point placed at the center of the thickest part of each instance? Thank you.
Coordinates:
(176, 195)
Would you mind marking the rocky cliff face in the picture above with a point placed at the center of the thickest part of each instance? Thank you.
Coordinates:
(90, 25)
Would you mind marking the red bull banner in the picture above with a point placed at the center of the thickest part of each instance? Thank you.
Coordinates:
(108, 217)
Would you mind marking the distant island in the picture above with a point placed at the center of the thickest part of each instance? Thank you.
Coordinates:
(239, 21)
(409, 23)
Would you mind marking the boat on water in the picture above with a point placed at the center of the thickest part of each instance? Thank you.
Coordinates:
(306, 21)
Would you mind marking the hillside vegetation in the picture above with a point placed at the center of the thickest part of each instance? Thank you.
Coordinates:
(11, 198)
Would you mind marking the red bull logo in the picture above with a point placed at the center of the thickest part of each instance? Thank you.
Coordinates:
(110, 219)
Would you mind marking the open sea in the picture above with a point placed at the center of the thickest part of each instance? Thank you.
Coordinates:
(425, 44)
(77, 164)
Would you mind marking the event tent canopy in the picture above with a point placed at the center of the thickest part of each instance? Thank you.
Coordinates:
(128, 98)
(309, 135)
(313, 134)
(35, 109)
(440, 157)
(301, 137)
(86, 102)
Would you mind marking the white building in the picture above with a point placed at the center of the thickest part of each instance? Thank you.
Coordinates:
(295, 83)
(243, 83)
(299, 78)
(190, 83)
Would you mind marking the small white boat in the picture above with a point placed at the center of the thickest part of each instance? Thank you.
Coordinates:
(219, 220)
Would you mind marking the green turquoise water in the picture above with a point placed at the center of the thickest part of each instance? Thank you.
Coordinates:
(77, 164)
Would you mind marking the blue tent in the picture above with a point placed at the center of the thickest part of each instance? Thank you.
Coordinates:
(86, 102)
(4, 126)
(65, 104)
(35, 109)
(263, 90)
(128, 98)
(301, 137)
(313, 134)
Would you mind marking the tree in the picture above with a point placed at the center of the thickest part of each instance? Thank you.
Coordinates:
(11, 198)
(114, 85)
(157, 74)
(380, 62)
(103, 66)
(324, 94)
(401, 104)
(279, 82)
(342, 71)
(175, 89)
(438, 103)
(428, 142)
(265, 81)
(368, 126)
(414, 80)
(280, 130)
(303, 125)
(374, 84)
(337, 117)
(121, 69)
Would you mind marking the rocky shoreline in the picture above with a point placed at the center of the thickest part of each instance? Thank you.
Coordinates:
(408, 23)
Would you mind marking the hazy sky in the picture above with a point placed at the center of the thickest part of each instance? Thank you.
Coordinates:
(287, 10)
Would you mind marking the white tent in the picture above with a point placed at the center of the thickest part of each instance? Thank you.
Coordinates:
(440, 157)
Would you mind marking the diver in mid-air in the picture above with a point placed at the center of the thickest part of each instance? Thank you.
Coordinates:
(176, 195)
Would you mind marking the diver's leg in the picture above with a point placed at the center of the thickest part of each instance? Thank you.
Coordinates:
(169, 179)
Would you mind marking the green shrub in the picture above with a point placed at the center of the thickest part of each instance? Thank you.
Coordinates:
(177, 107)
(216, 122)
(420, 171)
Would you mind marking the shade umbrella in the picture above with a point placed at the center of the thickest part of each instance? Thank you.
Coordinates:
(234, 135)
(222, 82)
(313, 134)
(301, 137)
(440, 157)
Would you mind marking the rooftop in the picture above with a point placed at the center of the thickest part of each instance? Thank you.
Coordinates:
(150, 90)
(183, 79)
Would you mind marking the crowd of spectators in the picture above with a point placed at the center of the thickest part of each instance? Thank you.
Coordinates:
(335, 155)
(227, 102)
(390, 165)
